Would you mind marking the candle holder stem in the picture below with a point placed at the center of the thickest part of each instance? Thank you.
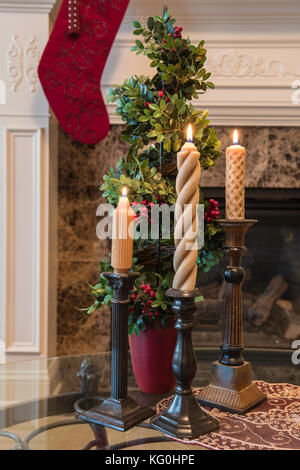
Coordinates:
(118, 411)
(231, 388)
(184, 418)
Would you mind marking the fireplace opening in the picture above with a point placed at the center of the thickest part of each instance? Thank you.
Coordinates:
(271, 290)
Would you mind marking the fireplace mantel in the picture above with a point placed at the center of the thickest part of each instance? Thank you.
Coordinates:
(27, 6)
(253, 53)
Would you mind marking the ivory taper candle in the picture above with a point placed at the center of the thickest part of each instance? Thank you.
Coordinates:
(122, 235)
(186, 221)
(235, 180)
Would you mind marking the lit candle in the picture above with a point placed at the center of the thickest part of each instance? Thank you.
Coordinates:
(186, 222)
(235, 180)
(122, 235)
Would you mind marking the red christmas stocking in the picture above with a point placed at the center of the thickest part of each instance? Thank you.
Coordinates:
(71, 67)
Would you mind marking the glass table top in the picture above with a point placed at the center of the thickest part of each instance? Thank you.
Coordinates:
(37, 399)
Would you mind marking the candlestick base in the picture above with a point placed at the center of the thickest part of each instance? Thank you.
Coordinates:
(231, 389)
(184, 418)
(118, 411)
(116, 414)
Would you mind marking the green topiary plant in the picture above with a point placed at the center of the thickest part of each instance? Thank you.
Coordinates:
(156, 112)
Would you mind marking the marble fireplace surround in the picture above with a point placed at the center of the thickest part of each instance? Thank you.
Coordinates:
(273, 161)
(253, 50)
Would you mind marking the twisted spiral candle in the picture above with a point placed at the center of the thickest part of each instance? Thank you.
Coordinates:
(186, 222)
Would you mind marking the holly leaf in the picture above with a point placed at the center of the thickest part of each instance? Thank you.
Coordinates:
(150, 23)
(136, 24)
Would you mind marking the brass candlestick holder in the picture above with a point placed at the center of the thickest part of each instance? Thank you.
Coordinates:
(231, 388)
(118, 411)
(184, 418)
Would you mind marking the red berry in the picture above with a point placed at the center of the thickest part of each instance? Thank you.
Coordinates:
(152, 294)
(144, 312)
(208, 219)
(150, 315)
(144, 202)
(157, 198)
(167, 100)
(131, 309)
(149, 303)
(147, 104)
(156, 314)
(161, 94)
(151, 204)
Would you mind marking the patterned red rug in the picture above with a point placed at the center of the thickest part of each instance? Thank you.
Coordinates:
(273, 425)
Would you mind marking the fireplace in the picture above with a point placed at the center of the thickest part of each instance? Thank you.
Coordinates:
(271, 290)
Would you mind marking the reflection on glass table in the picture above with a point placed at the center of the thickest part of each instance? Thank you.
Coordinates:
(37, 398)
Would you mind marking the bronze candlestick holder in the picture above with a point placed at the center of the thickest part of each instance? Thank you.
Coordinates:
(118, 411)
(231, 388)
(184, 418)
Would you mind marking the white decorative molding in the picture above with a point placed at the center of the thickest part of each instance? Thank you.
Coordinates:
(236, 64)
(221, 11)
(253, 50)
(2, 92)
(27, 6)
(31, 62)
(244, 115)
(28, 185)
(23, 64)
(23, 239)
(14, 57)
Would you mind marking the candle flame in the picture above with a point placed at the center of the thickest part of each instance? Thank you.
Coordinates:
(235, 137)
(189, 133)
(124, 191)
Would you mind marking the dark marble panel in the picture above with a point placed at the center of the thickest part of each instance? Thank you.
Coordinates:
(73, 294)
(284, 159)
(76, 330)
(86, 164)
(273, 157)
(82, 344)
(77, 221)
(273, 160)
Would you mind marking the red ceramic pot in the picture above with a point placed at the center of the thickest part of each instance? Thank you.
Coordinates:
(151, 357)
